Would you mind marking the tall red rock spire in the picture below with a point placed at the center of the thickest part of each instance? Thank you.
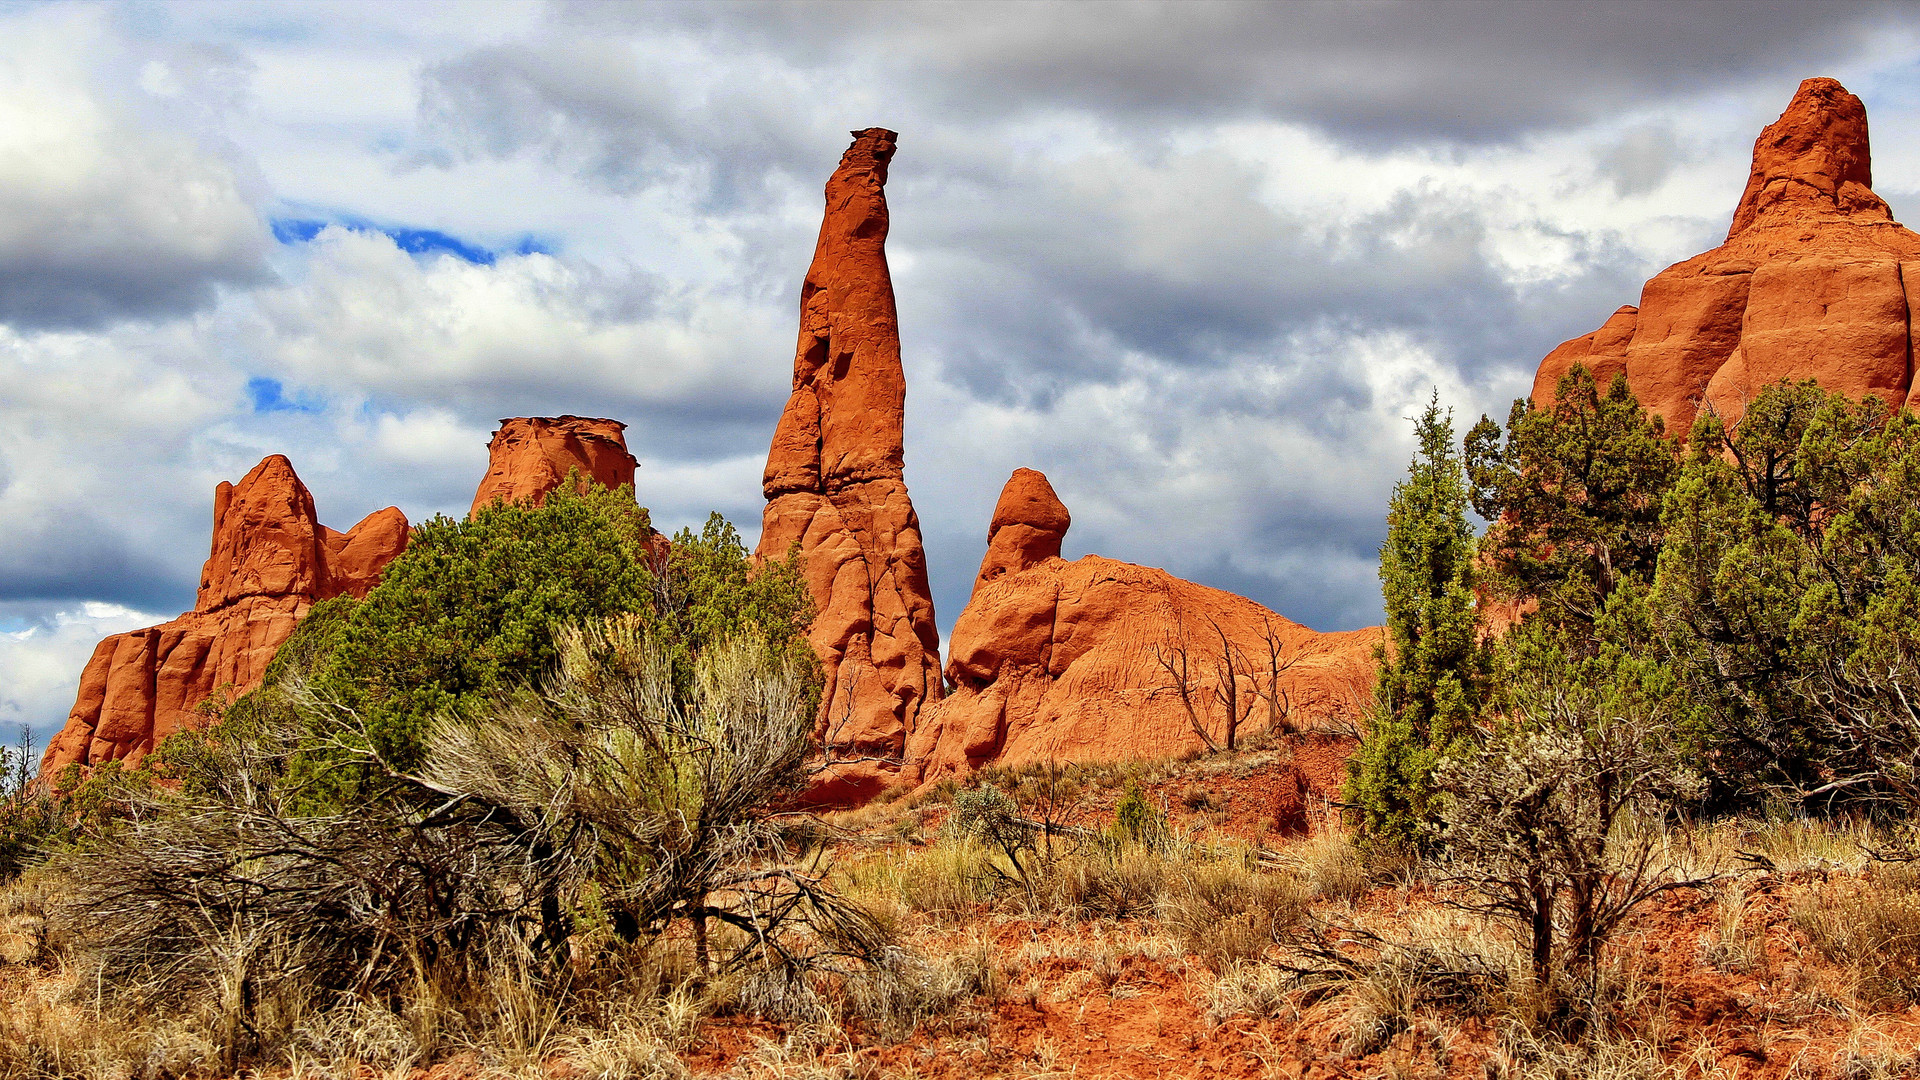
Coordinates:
(834, 484)
(1816, 280)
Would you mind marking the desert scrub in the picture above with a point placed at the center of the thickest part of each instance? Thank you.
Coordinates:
(1225, 910)
(617, 822)
(1871, 923)
(945, 880)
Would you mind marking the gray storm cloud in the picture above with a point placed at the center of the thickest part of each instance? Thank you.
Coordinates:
(1371, 71)
(112, 205)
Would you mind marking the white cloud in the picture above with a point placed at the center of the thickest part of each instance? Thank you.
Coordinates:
(367, 317)
(41, 654)
(102, 216)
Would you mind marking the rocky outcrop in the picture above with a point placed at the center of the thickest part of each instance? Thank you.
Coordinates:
(1080, 661)
(530, 456)
(1029, 522)
(1815, 280)
(271, 560)
(835, 491)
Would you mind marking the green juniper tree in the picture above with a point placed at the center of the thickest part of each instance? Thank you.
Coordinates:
(1572, 501)
(1434, 667)
(1786, 597)
(471, 610)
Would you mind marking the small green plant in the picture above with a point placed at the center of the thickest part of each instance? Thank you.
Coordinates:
(1136, 820)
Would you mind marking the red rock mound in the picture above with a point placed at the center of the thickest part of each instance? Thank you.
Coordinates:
(1816, 280)
(271, 561)
(1078, 661)
(530, 456)
(1062, 661)
(834, 485)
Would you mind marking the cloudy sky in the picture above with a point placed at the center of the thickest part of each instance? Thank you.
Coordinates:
(1198, 263)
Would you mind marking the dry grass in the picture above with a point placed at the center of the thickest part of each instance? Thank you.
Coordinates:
(1401, 986)
(1250, 989)
(1871, 924)
(1332, 868)
(1525, 1054)
(1735, 948)
(1226, 912)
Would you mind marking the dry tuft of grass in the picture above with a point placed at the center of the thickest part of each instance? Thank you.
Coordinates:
(1871, 923)
(1734, 948)
(1250, 989)
(1332, 867)
(1525, 1054)
(1225, 911)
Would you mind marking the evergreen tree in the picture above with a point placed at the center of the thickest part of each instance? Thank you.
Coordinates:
(1572, 500)
(470, 612)
(1434, 667)
(1786, 597)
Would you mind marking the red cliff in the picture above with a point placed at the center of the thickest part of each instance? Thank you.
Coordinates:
(271, 561)
(1083, 661)
(530, 456)
(1815, 280)
(835, 489)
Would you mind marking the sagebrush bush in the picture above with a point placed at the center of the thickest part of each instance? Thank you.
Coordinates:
(620, 811)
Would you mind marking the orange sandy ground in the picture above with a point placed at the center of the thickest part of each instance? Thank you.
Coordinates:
(1790, 1013)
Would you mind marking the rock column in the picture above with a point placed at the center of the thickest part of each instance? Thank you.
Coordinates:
(836, 494)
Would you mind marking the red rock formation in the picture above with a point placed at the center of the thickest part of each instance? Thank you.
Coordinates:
(271, 561)
(530, 456)
(1814, 280)
(1061, 661)
(1028, 524)
(1064, 661)
(834, 484)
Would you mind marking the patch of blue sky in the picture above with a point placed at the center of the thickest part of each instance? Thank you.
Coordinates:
(290, 231)
(270, 396)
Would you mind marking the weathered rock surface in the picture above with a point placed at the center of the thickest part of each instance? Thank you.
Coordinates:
(1029, 522)
(1814, 281)
(271, 560)
(531, 455)
(1069, 661)
(1061, 661)
(834, 486)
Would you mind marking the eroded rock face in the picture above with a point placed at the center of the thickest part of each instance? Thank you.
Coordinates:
(271, 560)
(1814, 281)
(1029, 522)
(1068, 661)
(834, 486)
(1061, 661)
(531, 455)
